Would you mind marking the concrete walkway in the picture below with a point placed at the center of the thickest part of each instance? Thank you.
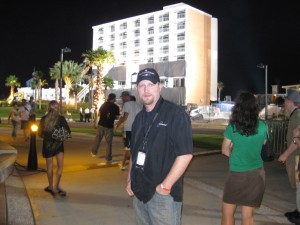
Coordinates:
(96, 191)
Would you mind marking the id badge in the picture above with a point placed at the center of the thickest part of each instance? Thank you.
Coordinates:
(141, 158)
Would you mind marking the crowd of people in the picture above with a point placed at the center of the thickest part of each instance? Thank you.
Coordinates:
(158, 155)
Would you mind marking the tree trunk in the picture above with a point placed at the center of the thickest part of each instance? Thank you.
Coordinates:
(40, 94)
(56, 90)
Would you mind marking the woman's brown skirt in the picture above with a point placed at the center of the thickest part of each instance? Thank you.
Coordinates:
(245, 188)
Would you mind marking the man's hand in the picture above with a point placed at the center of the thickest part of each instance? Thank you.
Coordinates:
(282, 158)
(128, 189)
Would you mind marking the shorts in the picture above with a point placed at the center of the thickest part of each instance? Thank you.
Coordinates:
(126, 140)
(245, 188)
(24, 124)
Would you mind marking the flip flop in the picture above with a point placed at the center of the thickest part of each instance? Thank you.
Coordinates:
(47, 189)
(61, 192)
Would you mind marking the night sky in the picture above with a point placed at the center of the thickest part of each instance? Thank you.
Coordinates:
(250, 32)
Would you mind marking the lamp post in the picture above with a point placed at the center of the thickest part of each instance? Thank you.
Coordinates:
(262, 66)
(131, 81)
(66, 49)
(32, 163)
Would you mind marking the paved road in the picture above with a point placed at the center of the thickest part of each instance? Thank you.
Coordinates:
(96, 193)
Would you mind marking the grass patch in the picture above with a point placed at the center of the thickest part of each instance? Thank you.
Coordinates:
(206, 141)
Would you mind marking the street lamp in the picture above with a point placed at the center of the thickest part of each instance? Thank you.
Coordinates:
(32, 163)
(131, 81)
(66, 49)
(262, 66)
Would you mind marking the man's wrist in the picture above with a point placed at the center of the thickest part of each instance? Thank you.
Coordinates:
(164, 188)
(295, 140)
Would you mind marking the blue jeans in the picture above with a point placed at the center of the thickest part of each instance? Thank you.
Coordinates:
(160, 210)
(15, 127)
(108, 133)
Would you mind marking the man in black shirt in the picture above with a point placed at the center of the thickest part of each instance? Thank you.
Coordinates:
(161, 151)
(108, 113)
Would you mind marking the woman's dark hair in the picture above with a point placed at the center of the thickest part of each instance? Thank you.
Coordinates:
(244, 114)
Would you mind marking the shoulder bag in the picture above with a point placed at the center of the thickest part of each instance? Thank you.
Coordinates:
(267, 153)
(60, 133)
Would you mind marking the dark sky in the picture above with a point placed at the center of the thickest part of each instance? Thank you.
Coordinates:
(250, 32)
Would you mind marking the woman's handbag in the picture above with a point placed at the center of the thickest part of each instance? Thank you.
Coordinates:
(267, 153)
(61, 134)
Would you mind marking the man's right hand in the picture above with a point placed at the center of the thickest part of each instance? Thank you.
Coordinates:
(128, 189)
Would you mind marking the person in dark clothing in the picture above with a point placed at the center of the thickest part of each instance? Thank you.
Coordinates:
(52, 147)
(161, 150)
(108, 113)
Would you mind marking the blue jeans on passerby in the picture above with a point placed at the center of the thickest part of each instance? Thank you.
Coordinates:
(15, 127)
(160, 210)
(108, 133)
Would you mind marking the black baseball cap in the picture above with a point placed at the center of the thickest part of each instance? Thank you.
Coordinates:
(148, 74)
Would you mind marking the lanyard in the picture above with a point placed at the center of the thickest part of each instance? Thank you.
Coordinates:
(144, 143)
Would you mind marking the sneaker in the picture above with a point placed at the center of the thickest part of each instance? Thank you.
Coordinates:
(294, 213)
(93, 155)
(123, 168)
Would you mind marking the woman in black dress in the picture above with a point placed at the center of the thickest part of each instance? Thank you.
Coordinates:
(52, 147)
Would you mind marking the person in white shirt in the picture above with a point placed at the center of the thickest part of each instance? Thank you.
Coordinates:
(24, 113)
(86, 114)
(130, 109)
(92, 113)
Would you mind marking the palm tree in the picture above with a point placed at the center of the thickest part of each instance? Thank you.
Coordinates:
(37, 77)
(108, 83)
(71, 74)
(12, 81)
(220, 88)
(100, 59)
(89, 78)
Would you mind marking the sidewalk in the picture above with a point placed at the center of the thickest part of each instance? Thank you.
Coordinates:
(96, 191)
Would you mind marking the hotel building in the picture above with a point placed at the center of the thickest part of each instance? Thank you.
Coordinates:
(179, 41)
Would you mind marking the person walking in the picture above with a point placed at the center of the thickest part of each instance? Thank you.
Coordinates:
(53, 148)
(14, 119)
(161, 150)
(108, 113)
(289, 156)
(130, 109)
(24, 113)
(32, 114)
(243, 140)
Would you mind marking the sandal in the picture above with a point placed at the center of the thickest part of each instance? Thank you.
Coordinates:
(61, 192)
(47, 189)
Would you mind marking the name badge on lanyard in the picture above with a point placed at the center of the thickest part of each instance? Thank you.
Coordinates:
(141, 158)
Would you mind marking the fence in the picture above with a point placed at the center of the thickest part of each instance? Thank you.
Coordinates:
(277, 132)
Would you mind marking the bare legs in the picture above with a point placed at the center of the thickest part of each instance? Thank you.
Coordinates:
(49, 162)
(126, 157)
(228, 212)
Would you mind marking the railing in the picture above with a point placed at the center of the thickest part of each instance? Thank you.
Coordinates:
(277, 132)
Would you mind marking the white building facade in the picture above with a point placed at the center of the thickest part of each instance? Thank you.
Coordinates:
(180, 42)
